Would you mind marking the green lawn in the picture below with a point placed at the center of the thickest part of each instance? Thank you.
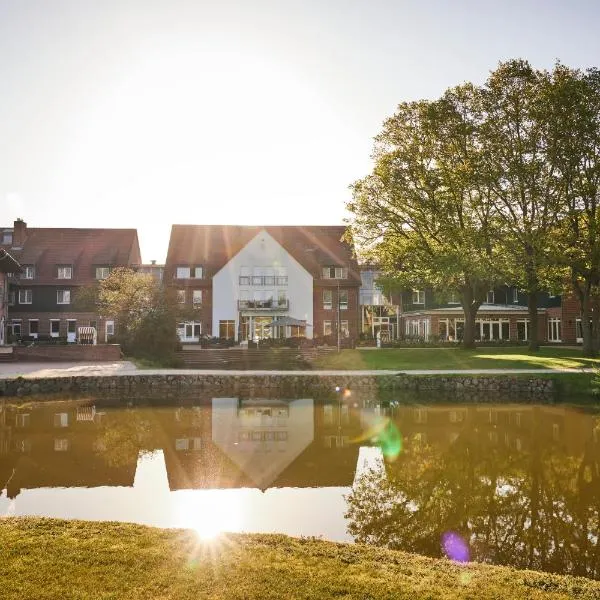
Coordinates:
(456, 358)
(44, 558)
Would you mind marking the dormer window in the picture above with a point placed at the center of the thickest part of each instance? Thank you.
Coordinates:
(28, 272)
(7, 237)
(197, 272)
(418, 297)
(102, 272)
(489, 299)
(335, 273)
(64, 272)
(183, 273)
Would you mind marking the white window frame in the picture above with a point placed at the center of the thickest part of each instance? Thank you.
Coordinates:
(196, 297)
(180, 296)
(554, 329)
(198, 273)
(345, 329)
(61, 445)
(109, 329)
(64, 272)
(488, 297)
(28, 272)
(418, 296)
(54, 333)
(23, 295)
(327, 299)
(61, 295)
(327, 326)
(182, 273)
(102, 272)
(34, 334)
(515, 294)
(62, 421)
(343, 303)
(453, 298)
(341, 272)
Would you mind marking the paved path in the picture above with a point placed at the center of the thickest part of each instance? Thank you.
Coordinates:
(69, 369)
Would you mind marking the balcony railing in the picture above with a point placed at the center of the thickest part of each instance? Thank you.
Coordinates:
(263, 304)
(263, 280)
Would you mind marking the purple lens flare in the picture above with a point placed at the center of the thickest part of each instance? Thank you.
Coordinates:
(454, 547)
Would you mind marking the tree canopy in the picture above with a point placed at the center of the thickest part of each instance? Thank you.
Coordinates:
(486, 185)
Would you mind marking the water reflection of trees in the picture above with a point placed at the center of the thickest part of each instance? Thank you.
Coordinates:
(536, 508)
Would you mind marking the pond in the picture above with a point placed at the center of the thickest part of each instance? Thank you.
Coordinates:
(504, 483)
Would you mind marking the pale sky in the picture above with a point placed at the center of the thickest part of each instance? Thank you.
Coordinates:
(145, 113)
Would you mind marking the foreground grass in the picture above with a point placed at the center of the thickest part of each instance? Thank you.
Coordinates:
(456, 358)
(46, 558)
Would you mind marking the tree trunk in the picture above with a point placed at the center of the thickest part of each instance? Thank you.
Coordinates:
(586, 328)
(532, 306)
(595, 333)
(470, 308)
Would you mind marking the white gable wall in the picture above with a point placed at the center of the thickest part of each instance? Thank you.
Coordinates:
(262, 251)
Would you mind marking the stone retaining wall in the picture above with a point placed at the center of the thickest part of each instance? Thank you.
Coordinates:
(172, 385)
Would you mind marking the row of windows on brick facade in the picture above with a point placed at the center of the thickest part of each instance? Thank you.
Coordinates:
(196, 296)
(55, 326)
(26, 297)
(328, 299)
(418, 297)
(63, 272)
(329, 326)
(185, 272)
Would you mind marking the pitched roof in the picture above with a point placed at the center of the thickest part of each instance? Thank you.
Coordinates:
(213, 246)
(82, 248)
(8, 264)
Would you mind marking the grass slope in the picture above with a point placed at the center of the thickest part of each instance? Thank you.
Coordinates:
(456, 358)
(45, 558)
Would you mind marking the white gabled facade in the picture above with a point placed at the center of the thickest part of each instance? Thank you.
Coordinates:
(260, 283)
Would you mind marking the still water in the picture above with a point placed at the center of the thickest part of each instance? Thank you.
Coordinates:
(509, 483)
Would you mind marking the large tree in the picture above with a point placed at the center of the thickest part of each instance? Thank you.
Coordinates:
(424, 214)
(517, 165)
(575, 141)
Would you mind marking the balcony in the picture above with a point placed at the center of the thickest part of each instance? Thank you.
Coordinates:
(264, 305)
(261, 280)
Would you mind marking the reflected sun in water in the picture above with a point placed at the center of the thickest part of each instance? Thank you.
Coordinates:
(209, 513)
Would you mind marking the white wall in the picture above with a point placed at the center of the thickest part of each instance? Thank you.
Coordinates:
(262, 251)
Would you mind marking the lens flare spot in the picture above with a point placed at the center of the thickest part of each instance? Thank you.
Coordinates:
(465, 578)
(347, 393)
(454, 547)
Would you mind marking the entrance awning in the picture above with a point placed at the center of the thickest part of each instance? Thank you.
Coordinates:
(285, 321)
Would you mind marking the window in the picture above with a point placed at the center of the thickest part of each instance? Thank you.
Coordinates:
(418, 297)
(489, 299)
(61, 445)
(11, 298)
(181, 296)
(16, 326)
(227, 329)
(63, 296)
(64, 272)
(7, 237)
(198, 273)
(25, 296)
(554, 330)
(183, 273)
(102, 272)
(109, 328)
(327, 328)
(335, 273)
(515, 295)
(54, 327)
(61, 419)
(344, 329)
(23, 420)
(282, 298)
(327, 299)
(523, 330)
(454, 299)
(28, 272)
(343, 298)
(197, 297)
(34, 327)
(244, 275)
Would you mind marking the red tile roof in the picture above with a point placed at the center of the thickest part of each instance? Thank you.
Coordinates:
(84, 249)
(212, 246)
(8, 264)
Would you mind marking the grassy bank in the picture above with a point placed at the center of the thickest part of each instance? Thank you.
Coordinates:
(43, 558)
(457, 358)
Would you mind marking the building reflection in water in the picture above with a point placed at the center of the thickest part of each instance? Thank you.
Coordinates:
(520, 483)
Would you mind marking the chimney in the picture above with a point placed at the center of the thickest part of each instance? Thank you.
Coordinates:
(19, 233)
(153, 262)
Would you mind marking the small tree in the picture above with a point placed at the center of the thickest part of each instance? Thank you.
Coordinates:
(146, 312)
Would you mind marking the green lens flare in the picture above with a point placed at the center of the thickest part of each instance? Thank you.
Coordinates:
(390, 441)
